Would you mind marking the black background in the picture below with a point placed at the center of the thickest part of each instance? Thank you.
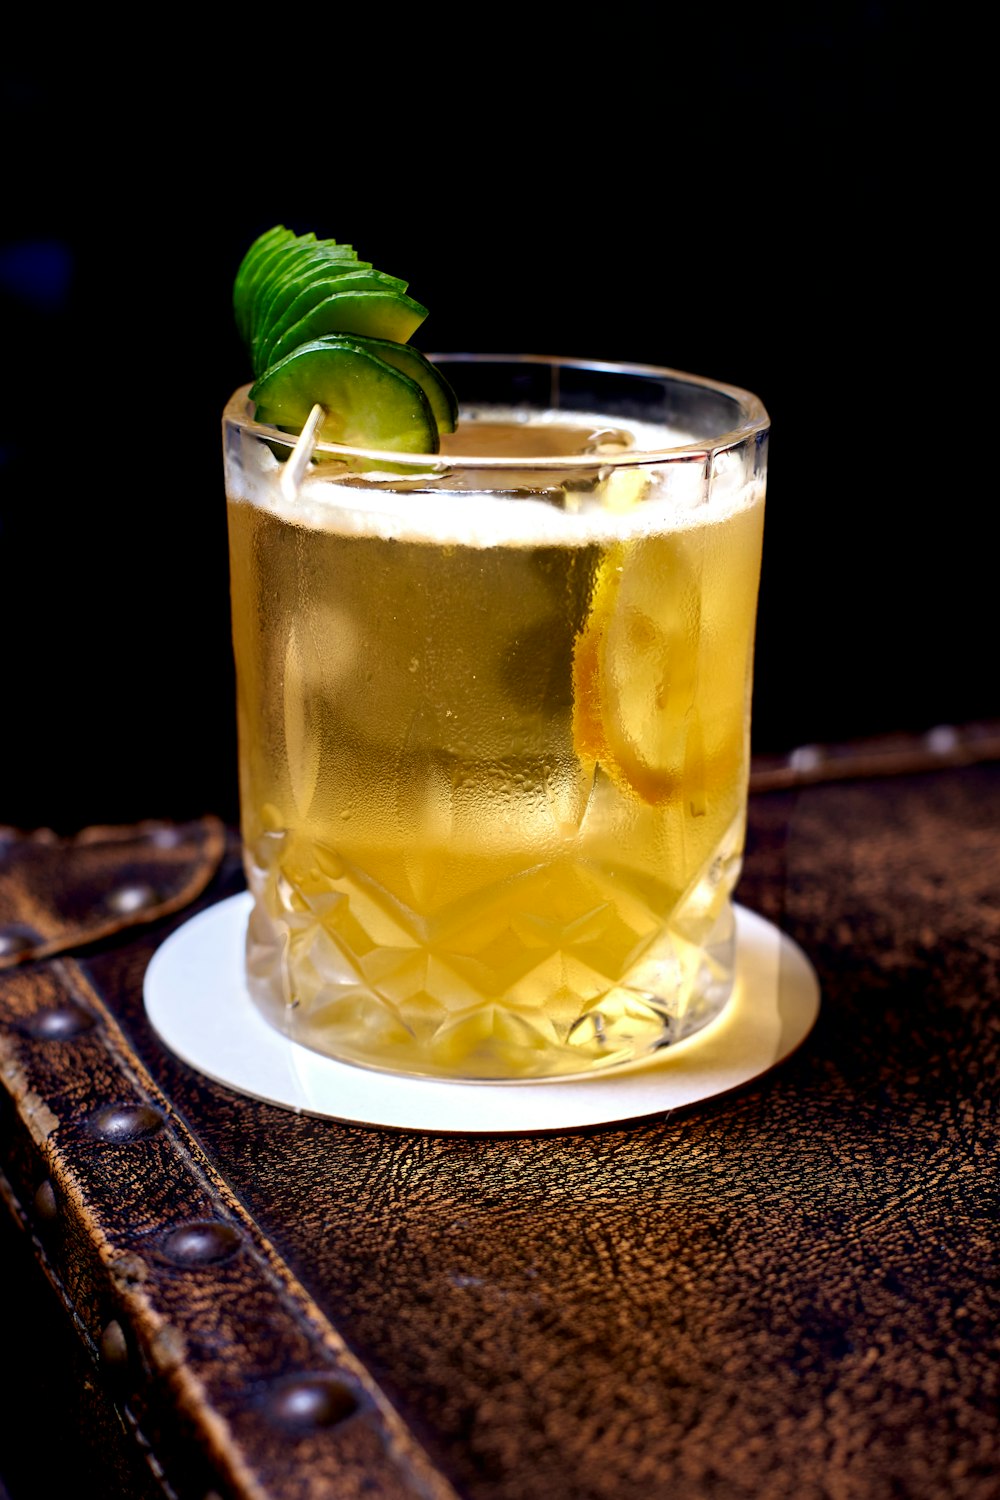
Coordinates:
(743, 199)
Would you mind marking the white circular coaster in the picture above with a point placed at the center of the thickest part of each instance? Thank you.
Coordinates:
(197, 1002)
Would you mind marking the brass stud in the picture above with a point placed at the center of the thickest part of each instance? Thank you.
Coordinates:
(46, 1204)
(806, 758)
(166, 837)
(60, 1022)
(114, 1349)
(16, 937)
(127, 1122)
(309, 1401)
(943, 739)
(203, 1242)
(130, 898)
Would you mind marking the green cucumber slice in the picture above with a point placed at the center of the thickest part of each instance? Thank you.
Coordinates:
(285, 265)
(291, 260)
(368, 402)
(381, 315)
(443, 401)
(293, 300)
(262, 246)
(282, 289)
(262, 265)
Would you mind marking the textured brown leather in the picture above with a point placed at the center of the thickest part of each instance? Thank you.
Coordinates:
(62, 893)
(787, 1291)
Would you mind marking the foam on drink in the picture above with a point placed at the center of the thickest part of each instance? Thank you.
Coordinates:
(443, 508)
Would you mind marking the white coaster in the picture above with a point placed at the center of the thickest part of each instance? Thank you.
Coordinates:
(198, 1004)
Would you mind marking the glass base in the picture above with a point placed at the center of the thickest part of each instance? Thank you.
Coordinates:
(548, 1028)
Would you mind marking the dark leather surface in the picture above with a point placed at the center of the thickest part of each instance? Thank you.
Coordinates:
(786, 1291)
(58, 894)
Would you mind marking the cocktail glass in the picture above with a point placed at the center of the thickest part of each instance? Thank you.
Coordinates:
(494, 719)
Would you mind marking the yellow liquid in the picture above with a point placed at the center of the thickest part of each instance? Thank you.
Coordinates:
(493, 796)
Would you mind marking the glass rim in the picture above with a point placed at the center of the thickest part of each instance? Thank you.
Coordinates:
(755, 421)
